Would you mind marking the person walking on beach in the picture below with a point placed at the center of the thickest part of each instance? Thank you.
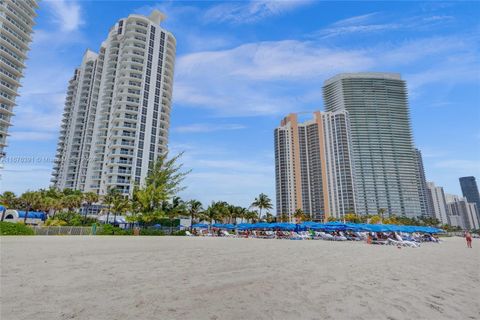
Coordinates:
(468, 237)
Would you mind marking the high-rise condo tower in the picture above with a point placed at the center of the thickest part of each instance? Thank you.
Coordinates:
(16, 23)
(117, 110)
(382, 143)
(313, 166)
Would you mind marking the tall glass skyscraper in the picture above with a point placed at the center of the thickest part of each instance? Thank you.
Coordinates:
(117, 110)
(383, 153)
(422, 185)
(470, 191)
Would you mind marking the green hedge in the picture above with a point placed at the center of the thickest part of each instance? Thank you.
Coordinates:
(14, 229)
(151, 232)
(109, 230)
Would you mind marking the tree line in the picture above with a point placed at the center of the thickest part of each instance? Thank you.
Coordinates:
(155, 200)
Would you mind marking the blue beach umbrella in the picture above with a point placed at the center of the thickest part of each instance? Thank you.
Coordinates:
(261, 225)
(244, 226)
(200, 226)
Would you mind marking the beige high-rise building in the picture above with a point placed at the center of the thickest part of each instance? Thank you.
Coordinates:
(313, 166)
(117, 111)
(16, 23)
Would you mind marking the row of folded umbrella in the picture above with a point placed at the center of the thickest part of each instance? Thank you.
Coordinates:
(311, 225)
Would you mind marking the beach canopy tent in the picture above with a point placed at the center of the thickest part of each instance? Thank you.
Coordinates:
(17, 215)
(244, 226)
(339, 226)
(330, 226)
(261, 225)
(200, 226)
(284, 226)
(227, 226)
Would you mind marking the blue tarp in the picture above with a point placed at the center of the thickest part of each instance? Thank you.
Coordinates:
(32, 215)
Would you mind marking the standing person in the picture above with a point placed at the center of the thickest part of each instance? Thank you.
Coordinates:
(468, 237)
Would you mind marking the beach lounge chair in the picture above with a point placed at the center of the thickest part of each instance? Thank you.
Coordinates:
(407, 243)
(295, 236)
(188, 234)
(228, 235)
(340, 237)
(326, 236)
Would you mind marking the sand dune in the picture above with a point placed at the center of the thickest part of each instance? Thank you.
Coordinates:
(217, 278)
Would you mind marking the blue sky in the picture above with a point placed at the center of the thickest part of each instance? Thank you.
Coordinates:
(241, 66)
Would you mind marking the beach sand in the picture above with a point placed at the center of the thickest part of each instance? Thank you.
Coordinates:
(216, 278)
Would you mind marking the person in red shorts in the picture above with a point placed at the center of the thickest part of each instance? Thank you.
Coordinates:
(468, 237)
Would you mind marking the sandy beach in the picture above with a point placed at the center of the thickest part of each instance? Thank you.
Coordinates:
(218, 278)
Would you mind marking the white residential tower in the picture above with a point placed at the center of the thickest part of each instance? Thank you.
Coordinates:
(117, 110)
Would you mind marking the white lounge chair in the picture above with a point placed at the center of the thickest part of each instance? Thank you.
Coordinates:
(228, 235)
(188, 234)
(407, 243)
(325, 236)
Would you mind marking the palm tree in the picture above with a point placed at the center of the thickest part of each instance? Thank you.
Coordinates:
(174, 209)
(194, 208)
(268, 217)
(72, 201)
(251, 216)
(120, 205)
(30, 200)
(238, 212)
(47, 204)
(262, 202)
(381, 213)
(299, 215)
(89, 198)
(112, 195)
(8, 200)
(216, 211)
(241, 213)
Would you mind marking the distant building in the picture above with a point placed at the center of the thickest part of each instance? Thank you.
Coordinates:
(117, 109)
(313, 166)
(422, 185)
(382, 144)
(438, 202)
(470, 191)
(16, 23)
(462, 213)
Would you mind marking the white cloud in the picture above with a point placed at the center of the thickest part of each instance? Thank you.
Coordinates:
(278, 77)
(251, 11)
(355, 20)
(207, 127)
(257, 78)
(459, 165)
(68, 14)
(376, 22)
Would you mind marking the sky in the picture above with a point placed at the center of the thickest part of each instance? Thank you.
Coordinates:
(242, 66)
